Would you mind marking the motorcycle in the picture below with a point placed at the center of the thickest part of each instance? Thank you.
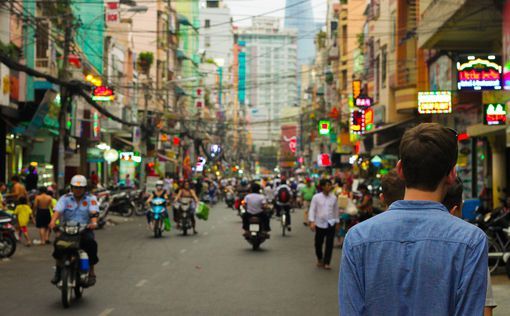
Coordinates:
(120, 202)
(140, 198)
(157, 215)
(7, 237)
(185, 215)
(75, 271)
(103, 197)
(229, 199)
(256, 235)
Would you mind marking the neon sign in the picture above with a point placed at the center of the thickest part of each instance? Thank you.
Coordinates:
(434, 102)
(479, 73)
(363, 102)
(103, 93)
(356, 88)
(324, 127)
(362, 121)
(494, 114)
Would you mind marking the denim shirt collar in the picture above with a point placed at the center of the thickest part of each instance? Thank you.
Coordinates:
(412, 205)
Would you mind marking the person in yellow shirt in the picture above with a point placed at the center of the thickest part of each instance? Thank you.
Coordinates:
(24, 215)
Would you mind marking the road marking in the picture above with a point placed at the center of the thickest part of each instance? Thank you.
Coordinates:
(195, 241)
(164, 264)
(206, 233)
(183, 251)
(106, 312)
(141, 283)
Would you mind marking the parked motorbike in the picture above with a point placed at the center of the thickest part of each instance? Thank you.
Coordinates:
(157, 215)
(75, 271)
(140, 198)
(185, 215)
(103, 198)
(256, 235)
(120, 202)
(7, 237)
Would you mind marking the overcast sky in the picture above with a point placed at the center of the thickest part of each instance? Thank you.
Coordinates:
(243, 9)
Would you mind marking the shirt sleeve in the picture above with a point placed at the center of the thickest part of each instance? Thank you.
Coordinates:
(312, 210)
(60, 205)
(94, 205)
(350, 286)
(473, 284)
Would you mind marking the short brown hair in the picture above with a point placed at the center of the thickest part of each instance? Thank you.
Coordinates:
(393, 188)
(428, 152)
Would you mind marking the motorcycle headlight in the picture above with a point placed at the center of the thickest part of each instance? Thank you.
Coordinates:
(71, 230)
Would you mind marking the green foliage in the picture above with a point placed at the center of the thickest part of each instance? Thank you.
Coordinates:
(145, 60)
(10, 50)
(320, 39)
(361, 41)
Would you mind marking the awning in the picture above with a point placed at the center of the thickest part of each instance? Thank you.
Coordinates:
(485, 130)
(388, 126)
(182, 19)
(180, 91)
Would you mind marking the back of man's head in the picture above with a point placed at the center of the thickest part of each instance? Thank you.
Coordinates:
(393, 187)
(428, 153)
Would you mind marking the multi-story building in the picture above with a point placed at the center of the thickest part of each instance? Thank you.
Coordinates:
(271, 76)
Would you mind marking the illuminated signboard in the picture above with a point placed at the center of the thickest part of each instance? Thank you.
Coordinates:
(130, 156)
(494, 114)
(363, 102)
(103, 93)
(356, 88)
(362, 121)
(324, 127)
(479, 73)
(434, 102)
(324, 160)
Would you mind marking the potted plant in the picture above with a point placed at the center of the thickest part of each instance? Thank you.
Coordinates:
(145, 60)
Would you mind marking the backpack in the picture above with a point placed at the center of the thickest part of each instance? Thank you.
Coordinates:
(283, 195)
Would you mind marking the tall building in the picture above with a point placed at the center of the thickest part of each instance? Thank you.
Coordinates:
(271, 76)
(299, 16)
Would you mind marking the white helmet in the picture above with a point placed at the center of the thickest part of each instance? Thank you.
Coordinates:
(160, 183)
(79, 181)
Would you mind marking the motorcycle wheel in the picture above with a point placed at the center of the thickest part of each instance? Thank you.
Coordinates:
(129, 210)
(7, 246)
(184, 230)
(157, 229)
(284, 227)
(255, 245)
(78, 290)
(493, 261)
(66, 290)
(140, 209)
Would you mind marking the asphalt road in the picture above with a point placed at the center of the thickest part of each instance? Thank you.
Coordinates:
(212, 273)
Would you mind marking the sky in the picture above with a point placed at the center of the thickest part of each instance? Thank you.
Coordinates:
(243, 9)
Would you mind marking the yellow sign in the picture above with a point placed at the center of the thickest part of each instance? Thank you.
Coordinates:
(6, 87)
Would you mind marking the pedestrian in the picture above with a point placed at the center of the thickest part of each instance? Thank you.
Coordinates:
(94, 179)
(393, 188)
(18, 190)
(365, 205)
(31, 179)
(128, 181)
(323, 220)
(453, 202)
(416, 259)
(308, 191)
(41, 208)
(24, 215)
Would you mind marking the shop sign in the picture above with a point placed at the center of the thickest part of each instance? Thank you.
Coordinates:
(130, 156)
(111, 155)
(324, 160)
(103, 93)
(364, 102)
(112, 13)
(362, 120)
(324, 127)
(494, 114)
(5, 85)
(434, 102)
(356, 88)
(441, 74)
(479, 72)
(506, 45)
(199, 167)
(94, 155)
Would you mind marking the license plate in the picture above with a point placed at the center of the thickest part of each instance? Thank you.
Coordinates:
(254, 227)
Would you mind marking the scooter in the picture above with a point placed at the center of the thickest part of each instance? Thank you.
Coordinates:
(185, 215)
(229, 199)
(256, 235)
(75, 271)
(157, 215)
(7, 237)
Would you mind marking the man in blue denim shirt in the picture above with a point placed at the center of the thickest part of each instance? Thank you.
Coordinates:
(416, 259)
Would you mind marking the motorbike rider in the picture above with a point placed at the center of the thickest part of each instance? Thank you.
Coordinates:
(160, 192)
(242, 190)
(255, 204)
(187, 192)
(82, 207)
(283, 199)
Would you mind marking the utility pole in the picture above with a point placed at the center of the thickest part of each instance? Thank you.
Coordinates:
(145, 139)
(64, 102)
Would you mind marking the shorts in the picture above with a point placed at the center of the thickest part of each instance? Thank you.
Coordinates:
(42, 218)
(23, 229)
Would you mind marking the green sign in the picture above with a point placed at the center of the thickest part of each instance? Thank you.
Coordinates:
(324, 127)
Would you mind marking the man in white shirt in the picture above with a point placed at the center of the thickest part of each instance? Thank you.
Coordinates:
(323, 217)
(255, 207)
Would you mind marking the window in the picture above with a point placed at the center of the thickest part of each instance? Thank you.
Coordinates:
(377, 78)
(383, 66)
(344, 40)
(344, 80)
(207, 24)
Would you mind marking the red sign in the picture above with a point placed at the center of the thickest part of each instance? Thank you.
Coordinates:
(362, 121)
(288, 146)
(323, 160)
(103, 93)
(477, 72)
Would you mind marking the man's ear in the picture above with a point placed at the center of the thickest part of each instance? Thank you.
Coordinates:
(399, 170)
(451, 178)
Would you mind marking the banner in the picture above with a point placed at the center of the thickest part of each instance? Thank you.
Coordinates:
(288, 146)
(38, 119)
